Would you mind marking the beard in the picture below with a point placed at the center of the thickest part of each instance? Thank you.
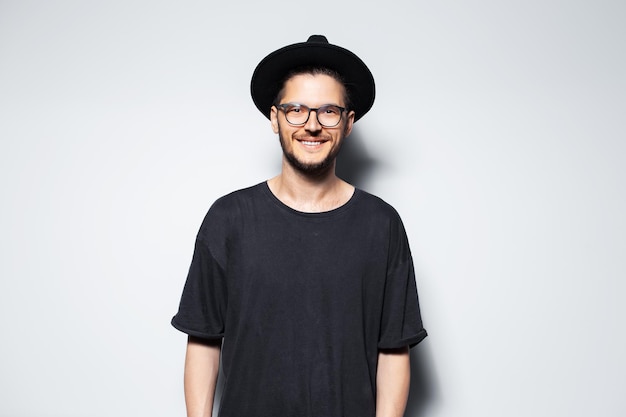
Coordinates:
(309, 168)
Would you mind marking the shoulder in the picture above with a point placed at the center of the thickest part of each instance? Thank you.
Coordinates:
(372, 205)
(231, 201)
(384, 215)
(226, 209)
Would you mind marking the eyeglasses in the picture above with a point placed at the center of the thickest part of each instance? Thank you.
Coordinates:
(328, 115)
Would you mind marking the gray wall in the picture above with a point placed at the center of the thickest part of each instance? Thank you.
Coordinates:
(498, 134)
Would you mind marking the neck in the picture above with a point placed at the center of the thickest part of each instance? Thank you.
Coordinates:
(311, 193)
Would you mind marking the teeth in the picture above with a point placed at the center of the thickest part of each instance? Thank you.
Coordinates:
(306, 142)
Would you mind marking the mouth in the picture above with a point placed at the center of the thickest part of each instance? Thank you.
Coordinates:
(312, 142)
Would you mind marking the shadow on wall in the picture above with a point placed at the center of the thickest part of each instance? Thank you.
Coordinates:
(354, 165)
(422, 393)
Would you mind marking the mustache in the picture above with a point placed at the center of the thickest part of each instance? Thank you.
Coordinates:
(312, 137)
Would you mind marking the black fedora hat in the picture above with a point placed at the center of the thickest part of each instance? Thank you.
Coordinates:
(315, 52)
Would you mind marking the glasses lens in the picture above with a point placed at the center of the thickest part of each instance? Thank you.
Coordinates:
(296, 114)
(329, 115)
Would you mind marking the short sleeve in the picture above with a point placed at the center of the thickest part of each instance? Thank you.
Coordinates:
(202, 308)
(401, 321)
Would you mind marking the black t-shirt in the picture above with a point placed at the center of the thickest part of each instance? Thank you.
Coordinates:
(303, 302)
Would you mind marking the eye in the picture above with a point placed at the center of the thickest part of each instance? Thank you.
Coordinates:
(334, 110)
(293, 109)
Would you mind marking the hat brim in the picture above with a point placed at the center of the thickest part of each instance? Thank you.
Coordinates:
(271, 71)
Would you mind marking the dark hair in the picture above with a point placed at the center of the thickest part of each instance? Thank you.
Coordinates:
(312, 70)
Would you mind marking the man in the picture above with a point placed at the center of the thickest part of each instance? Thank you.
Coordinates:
(303, 284)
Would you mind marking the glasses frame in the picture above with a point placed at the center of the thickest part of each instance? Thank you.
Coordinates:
(284, 106)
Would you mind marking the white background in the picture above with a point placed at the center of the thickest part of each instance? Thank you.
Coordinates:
(498, 134)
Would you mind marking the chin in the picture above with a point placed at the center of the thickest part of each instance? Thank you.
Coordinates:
(310, 168)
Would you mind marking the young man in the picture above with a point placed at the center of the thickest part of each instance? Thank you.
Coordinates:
(303, 284)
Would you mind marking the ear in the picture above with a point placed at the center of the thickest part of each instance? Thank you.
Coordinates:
(349, 123)
(274, 118)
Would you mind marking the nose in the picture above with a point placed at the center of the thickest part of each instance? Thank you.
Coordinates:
(313, 125)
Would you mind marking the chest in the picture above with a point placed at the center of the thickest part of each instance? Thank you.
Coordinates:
(288, 264)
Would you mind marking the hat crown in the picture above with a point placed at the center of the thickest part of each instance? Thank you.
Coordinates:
(317, 39)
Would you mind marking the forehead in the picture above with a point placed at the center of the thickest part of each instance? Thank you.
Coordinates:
(314, 90)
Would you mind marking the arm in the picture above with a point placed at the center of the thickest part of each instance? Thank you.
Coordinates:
(201, 368)
(392, 382)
